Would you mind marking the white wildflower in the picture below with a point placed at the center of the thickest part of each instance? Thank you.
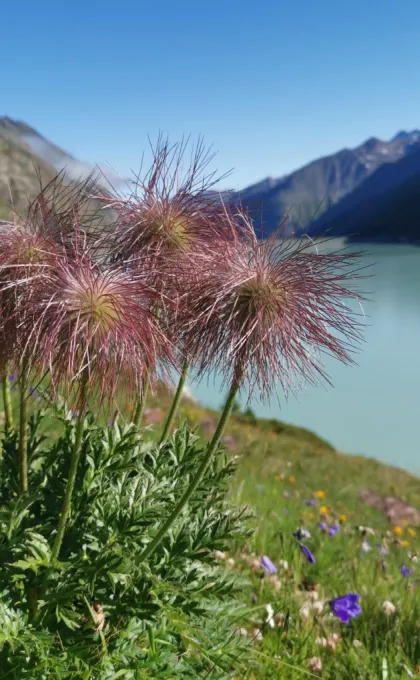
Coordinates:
(315, 663)
(270, 615)
(321, 642)
(313, 595)
(255, 564)
(256, 634)
(275, 582)
(219, 555)
(332, 641)
(318, 607)
(280, 619)
(305, 612)
(367, 531)
(389, 608)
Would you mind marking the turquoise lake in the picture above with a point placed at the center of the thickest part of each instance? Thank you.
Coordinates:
(374, 407)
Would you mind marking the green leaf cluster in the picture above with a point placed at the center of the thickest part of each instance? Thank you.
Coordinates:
(101, 612)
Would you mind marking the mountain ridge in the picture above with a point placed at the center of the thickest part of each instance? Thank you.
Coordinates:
(336, 194)
(312, 190)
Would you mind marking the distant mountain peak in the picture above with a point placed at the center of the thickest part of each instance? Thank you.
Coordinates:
(404, 135)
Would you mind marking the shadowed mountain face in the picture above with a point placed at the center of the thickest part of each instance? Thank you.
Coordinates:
(328, 183)
(385, 207)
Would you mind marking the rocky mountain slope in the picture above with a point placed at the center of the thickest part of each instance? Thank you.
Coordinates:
(20, 169)
(389, 216)
(328, 183)
(28, 159)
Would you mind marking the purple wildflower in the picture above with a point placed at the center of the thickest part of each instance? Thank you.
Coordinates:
(311, 501)
(11, 377)
(323, 526)
(332, 531)
(404, 570)
(309, 556)
(346, 607)
(268, 565)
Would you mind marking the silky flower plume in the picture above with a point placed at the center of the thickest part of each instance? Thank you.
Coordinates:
(170, 212)
(267, 311)
(94, 324)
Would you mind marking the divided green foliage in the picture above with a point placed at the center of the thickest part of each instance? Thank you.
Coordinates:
(100, 612)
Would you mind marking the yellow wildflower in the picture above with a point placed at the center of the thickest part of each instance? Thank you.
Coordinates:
(412, 532)
(405, 544)
(311, 516)
(398, 531)
(323, 510)
(292, 479)
(320, 494)
(277, 478)
(343, 518)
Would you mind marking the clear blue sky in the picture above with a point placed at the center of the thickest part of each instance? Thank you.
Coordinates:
(271, 83)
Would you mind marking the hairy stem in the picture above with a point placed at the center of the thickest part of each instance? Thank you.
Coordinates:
(175, 403)
(151, 547)
(7, 400)
(77, 449)
(23, 427)
(141, 403)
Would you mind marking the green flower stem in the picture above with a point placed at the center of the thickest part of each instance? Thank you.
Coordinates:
(23, 427)
(141, 401)
(175, 403)
(151, 547)
(141, 404)
(7, 400)
(77, 449)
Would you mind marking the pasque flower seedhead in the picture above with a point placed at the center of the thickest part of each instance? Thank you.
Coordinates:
(262, 312)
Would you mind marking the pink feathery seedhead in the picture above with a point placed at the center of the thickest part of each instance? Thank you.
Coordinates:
(58, 223)
(26, 256)
(64, 211)
(171, 211)
(57, 219)
(88, 323)
(267, 311)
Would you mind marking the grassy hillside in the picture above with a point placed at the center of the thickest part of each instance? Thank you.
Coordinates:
(289, 477)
